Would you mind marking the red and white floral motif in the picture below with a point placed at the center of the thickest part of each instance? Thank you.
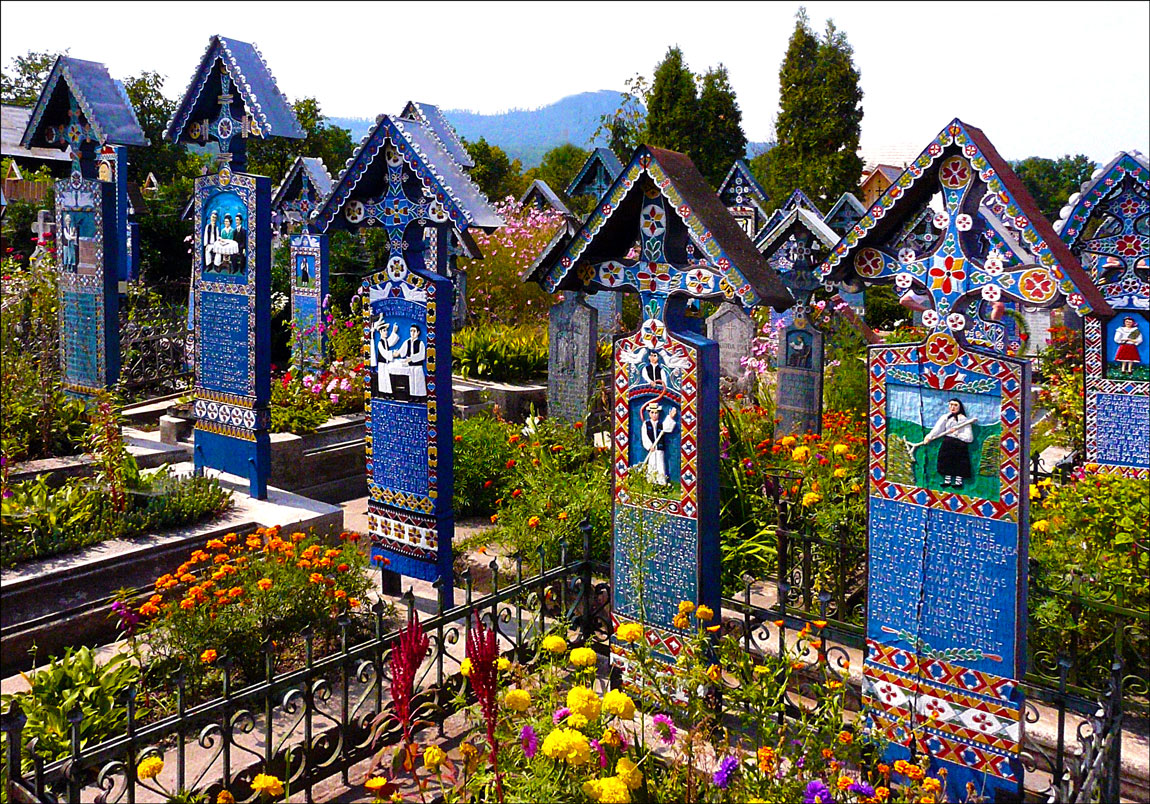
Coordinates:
(963, 222)
(954, 173)
(930, 319)
(991, 293)
(941, 220)
(947, 273)
(868, 262)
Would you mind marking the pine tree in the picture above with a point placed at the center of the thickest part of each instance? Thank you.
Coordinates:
(820, 112)
(673, 106)
(721, 139)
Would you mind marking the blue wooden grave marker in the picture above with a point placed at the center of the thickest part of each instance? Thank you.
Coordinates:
(232, 97)
(948, 464)
(1106, 228)
(308, 262)
(401, 179)
(83, 108)
(304, 186)
(666, 378)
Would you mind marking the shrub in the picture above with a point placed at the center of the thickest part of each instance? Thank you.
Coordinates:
(240, 586)
(500, 353)
(484, 464)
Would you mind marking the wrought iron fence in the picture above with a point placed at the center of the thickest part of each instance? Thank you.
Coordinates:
(154, 353)
(315, 722)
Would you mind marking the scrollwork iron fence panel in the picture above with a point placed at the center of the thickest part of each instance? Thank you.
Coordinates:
(154, 353)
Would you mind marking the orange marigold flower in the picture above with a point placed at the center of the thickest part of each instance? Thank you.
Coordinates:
(209, 656)
(533, 522)
(303, 563)
(315, 577)
(517, 493)
(264, 584)
(342, 568)
(297, 538)
(846, 738)
(187, 604)
(215, 544)
(187, 577)
(149, 609)
(340, 594)
(235, 591)
(828, 753)
(494, 518)
(221, 558)
(353, 602)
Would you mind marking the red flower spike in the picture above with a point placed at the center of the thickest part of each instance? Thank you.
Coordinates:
(405, 661)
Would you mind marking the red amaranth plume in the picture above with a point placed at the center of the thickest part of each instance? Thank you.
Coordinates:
(483, 651)
(406, 658)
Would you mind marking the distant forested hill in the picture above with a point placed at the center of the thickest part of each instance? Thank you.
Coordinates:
(526, 134)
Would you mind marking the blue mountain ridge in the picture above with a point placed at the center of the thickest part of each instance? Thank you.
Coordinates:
(527, 134)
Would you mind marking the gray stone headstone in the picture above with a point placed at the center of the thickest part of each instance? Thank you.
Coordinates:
(43, 229)
(1038, 322)
(610, 309)
(733, 330)
(571, 357)
(799, 398)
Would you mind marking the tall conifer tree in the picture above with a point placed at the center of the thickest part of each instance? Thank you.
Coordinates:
(721, 137)
(820, 112)
(673, 106)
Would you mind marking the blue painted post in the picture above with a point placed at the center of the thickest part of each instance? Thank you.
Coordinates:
(308, 262)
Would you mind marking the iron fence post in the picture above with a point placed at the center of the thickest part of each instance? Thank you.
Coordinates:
(588, 603)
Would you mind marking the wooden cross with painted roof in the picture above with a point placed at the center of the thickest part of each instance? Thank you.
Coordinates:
(688, 245)
(965, 263)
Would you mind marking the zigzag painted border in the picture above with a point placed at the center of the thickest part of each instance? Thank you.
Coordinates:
(950, 749)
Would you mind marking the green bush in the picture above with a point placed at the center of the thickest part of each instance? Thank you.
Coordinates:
(483, 464)
(500, 353)
(76, 679)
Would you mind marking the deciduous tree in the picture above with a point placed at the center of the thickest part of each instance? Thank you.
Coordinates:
(721, 139)
(1052, 181)
(24, 77)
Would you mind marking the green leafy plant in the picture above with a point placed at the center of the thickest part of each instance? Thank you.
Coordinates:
(500, 353)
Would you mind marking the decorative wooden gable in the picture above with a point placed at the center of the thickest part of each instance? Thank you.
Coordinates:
(232, 94)
(399, 174)
(845, 213)
(965, 184)
(596, 175)
(81, 106)
(800, 239)
(1107, 226)
(689, 244)
(304, 186)
(541, 196)
(796, 200)
(742, 194)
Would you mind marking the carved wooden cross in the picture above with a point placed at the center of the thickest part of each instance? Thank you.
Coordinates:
(74, 133)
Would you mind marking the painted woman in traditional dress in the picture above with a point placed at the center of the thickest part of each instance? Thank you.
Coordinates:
(1128, 338)
(957, 433)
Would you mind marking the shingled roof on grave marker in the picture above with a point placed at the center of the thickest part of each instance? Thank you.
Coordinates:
(796, 218)
(1011, 203)
(1111, 251)
(599, 163)
(269, 112)
(364, 178)
(845, 213)
(797, 199)
(316, 172)
(740, 187)
(541, 192)
(716, 238)
(430, 115)
(102, 110)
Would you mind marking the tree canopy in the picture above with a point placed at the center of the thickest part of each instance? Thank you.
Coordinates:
(274, 156)
(721, 137)
(819, 120)
(497, 175)
(673, 106)
(558, 168)
(24, 77)
(1052, 181)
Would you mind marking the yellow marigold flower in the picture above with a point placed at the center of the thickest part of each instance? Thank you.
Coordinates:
(225, 798)
(608, 790)
(810, 498)
(609, 738)
(882, 793)
(150, 768)
(562, 517)
(714, 672)
(583, 657)
(629, 632)
(583, 701)
(855, 488)
(517, 700)
(619, 704)
(465, 668)
(788, 441)
(568, 745)
(554, 644)
(705, 613)
(375, 783)
(433, 757)
(839, 449)
(680, 621)
(800, 453)
(577, 721)
(686, 607)
(900, 766)
(502, 663)
(264, 583)
(629, 772)
(263, 783)
(209, 656)
(760, 670)
(533, 522)
(931, 784)
(1041, 526)
(1035, 493)
(840, 473)
(914, 772)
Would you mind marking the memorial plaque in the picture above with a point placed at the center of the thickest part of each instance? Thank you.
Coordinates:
(946, 613)
(1106, 228)
(407, 327)
(89, 297)
(309, 272)
(799, 398)
(232, 312)
(733, 330)
(571, 357)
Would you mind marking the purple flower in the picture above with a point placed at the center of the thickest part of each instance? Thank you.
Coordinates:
(530, 741)
(863, 789)
(560, 715)
(817, 793)
(666, 728)
(602, 753)
(723, 775)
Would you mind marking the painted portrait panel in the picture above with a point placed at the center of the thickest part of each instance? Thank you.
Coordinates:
(224, 238)
(1127, 346)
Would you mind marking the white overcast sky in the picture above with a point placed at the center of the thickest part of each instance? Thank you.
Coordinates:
(1040, 78)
